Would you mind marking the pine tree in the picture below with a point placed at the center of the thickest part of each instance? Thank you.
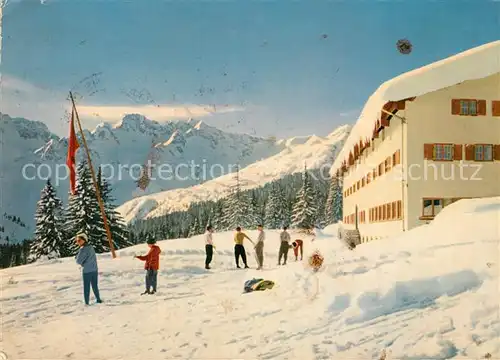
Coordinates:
(320, 211)
(117, 226)
(194, 229)
(83, 213)
(333, 211)
(50, 240)
(218, 216)
(237, 207)
(305, 210)
(277, 212)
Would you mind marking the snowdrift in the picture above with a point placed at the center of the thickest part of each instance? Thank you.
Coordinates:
(430, 293)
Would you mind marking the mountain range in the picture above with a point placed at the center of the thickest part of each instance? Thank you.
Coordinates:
(181, 155)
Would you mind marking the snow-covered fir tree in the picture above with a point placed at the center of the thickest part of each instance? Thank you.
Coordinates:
(305, 209)
(320, 200)
(195, 227)
(277, 208)
(217, 220)
(257, 209)
(117, 227)
(238, 207)
(333, 211)
(83, 212)
(50, 241)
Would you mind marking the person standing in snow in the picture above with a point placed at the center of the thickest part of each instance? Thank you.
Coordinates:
(87, 259)
(152, 266)
(298, 244)
(239, 249)
(284, 246)
(209, 247)
(259, 248)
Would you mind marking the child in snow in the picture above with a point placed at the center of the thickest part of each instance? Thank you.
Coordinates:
(298, 244)
(87, 259)
(152, 265)
(209, 246)
(239, 249)
(284, 246)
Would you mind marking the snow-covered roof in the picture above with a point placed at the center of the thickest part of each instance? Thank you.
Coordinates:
(476, 63)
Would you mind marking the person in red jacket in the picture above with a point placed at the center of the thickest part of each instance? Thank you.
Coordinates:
(298, 244)
(152, 265)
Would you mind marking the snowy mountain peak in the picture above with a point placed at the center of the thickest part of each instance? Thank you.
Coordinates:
(28, 129)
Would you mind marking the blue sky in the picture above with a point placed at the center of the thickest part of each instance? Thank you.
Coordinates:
(266, 68)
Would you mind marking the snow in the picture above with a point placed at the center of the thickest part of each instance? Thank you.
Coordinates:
(429, 293)
(475, 63)
(315, 152)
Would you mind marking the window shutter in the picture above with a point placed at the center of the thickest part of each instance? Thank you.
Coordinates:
(481, 107)
(469, 152)
(457, 152)
(429, 151)
(455, 106)
(495, 108)
(496, 152)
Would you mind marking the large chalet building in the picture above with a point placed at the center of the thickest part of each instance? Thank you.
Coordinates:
(424, 140)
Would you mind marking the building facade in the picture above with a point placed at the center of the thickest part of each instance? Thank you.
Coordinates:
(424, 153)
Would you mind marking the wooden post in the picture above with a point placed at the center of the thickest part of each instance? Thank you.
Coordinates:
(94, 180)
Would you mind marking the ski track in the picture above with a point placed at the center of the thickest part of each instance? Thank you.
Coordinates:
(200, 314)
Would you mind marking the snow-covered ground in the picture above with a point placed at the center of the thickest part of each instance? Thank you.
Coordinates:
(431, 293)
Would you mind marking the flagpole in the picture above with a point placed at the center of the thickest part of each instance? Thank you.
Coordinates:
(94, 180)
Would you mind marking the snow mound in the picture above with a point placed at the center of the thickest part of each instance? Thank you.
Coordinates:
(426, 294)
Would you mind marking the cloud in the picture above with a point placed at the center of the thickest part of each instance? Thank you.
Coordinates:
(21, 98)
(350, 113)
(154, 112)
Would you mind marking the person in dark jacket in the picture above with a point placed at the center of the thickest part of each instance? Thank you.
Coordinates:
(209, 246)
(152, 265)
(87, 259)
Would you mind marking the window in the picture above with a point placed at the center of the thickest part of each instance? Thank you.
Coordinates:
(384, 214)
(363, 181)
(368, 178)
(394, 215)
(443, 151)
(468, 107)
(399, 210)
(388, 164)
(483, 153)
(381, 169)
(396, 158)
(358, 185)
(431, 207)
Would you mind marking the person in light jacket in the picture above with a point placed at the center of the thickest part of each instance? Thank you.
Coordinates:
(259, 248)
(87, 259)
(209, 247)
(284, 246)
